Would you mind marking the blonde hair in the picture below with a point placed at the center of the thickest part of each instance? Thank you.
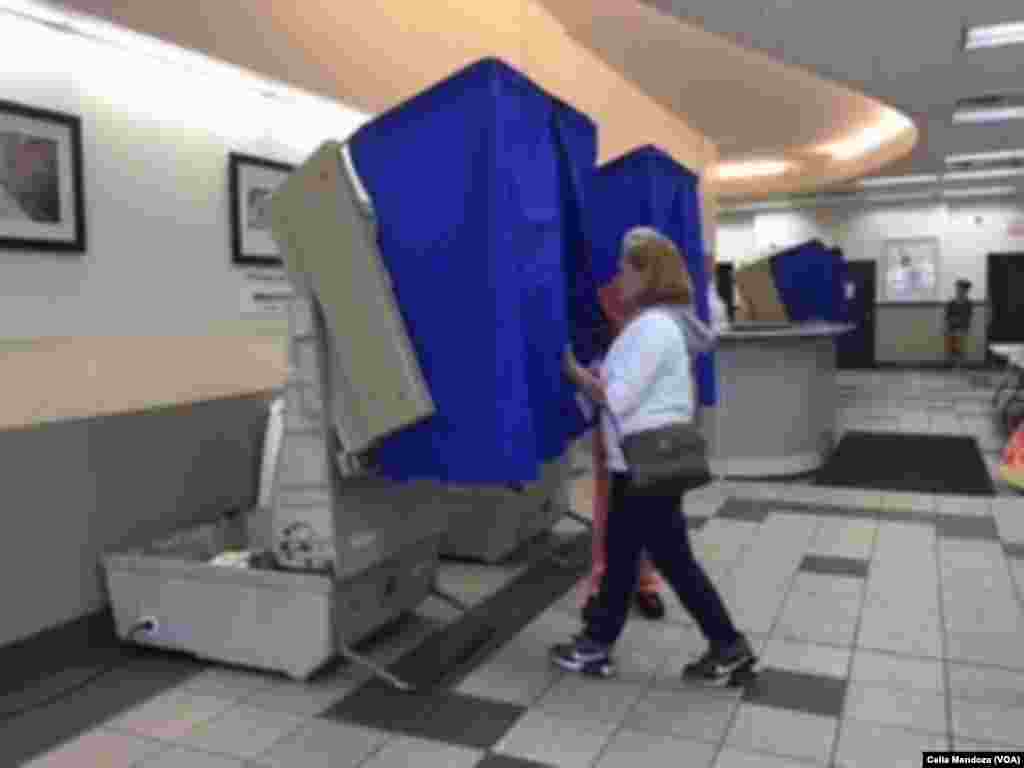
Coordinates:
(668, 279)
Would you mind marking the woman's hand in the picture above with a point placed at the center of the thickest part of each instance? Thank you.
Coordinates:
(590, 384)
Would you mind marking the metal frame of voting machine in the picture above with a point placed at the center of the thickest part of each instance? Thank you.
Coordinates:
(385, 536)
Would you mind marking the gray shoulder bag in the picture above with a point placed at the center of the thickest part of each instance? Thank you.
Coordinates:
(675, 455)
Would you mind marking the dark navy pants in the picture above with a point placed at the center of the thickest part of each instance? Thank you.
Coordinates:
(644, 520)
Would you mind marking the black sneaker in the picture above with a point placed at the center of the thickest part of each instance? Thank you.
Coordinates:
(583, 656)
(724, 666)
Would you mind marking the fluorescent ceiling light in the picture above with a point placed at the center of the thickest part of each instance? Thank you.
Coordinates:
(893, 181)
(751, 169)
(899, 197)
(987, 114)
(1003, 191)
(993, 173)
(994, 35)
(1004, 156)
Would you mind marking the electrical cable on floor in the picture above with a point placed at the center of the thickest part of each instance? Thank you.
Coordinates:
(10, 714)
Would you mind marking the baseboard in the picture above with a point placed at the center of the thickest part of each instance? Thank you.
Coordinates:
(88, 640)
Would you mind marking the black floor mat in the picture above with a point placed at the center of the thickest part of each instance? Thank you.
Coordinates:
(941, 464)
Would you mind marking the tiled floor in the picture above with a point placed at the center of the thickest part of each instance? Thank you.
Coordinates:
(888, 624)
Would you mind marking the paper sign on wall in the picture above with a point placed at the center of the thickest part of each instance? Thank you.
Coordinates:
(266, 295)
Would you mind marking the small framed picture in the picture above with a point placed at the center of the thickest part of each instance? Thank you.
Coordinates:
(42, 203)
(252, 180)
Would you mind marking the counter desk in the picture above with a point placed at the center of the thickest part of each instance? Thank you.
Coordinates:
(778, 399)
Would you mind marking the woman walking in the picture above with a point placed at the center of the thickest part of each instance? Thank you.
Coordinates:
(646, 384)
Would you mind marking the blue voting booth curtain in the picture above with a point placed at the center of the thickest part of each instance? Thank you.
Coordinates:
(810, 279)
(476, 184)
(648, 188)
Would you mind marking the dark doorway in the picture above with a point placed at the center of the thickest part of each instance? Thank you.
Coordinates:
(724, 283)
(1005, 298)
(856, 349)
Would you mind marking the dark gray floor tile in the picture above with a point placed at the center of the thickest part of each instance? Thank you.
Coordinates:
(447, 657)
(798, 691)
(835, 566)
(966, 527)
(445, 716)
(747, 510)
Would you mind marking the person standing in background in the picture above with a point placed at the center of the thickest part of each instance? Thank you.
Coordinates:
(719, 312)
(959, 312)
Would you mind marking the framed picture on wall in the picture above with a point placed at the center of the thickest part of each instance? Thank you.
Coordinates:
(251, 181)
(42, 204)
(911, 269)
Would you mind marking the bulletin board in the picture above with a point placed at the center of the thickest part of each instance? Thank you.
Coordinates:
(911, 269)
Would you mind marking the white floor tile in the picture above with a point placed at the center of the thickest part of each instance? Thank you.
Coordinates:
(182, 757)
(171, 715)
(968, 745)
(899, 672)
(582, 699)
(309, 698)
(734, 758)
(993, 685)
(229, 683)
(403, 752)
(973, 506)
(688, 713)
(1009, 514)
(916, 710)
(807, 658)
(845, 538)
(322, 744)
(867, 745)
(99, 747)
(627, 747)
(555, 741)
(783, 732)
(242, 732)
(983, 721)
(1001, 649)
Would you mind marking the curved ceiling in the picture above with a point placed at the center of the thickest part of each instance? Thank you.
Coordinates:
(909, 53)
(645, 76)
(749, 103)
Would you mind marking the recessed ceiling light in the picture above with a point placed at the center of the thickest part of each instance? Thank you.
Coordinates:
(1004, 191)
(751, 169)
(889, 126)
(994, 173)
(994, 36)
(893, 181)
(988, 114)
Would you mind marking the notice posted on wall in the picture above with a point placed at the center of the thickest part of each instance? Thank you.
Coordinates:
(266, 294)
